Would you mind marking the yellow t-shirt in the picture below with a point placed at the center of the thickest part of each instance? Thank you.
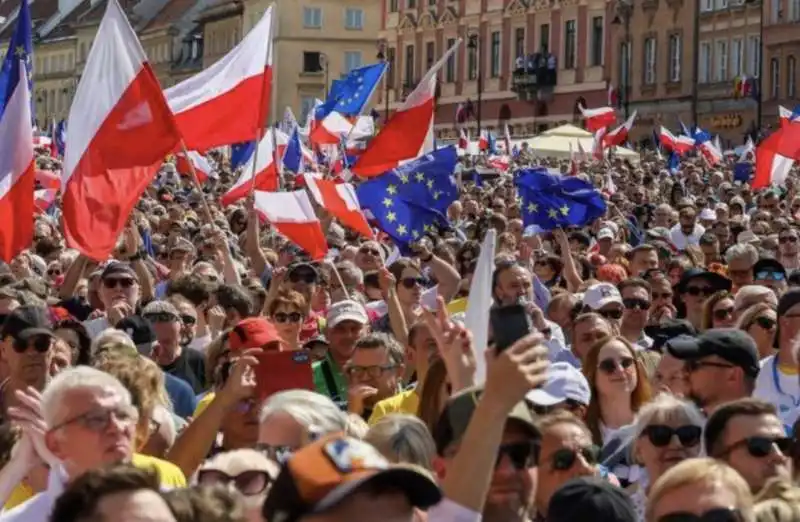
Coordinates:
(170, 475)
(404, 402)
(203, 403)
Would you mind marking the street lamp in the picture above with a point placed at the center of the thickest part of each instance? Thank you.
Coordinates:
(624, 13)
(383, 56)
(474, 47)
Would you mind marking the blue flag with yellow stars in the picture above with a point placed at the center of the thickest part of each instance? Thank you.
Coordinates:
(411, 201)
(551, 200)
(20, 49)
(350, 94)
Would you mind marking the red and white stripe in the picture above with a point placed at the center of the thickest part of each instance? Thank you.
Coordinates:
(618, 136)
(263, 163)
(202, 167)
(340, 200)
(293, 216)
(599, 118)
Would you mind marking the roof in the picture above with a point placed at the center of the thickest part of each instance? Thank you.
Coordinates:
(41, 11)
(65, 27)
(220, 9)
(172, 12)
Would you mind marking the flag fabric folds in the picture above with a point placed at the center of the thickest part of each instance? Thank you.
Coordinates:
(202, 167)
(340, 200)
(599, 118)
(354, 90)
(265, 164)
(775, 156)
(619, 136)
(238, 84)
(241, 153)
(551, 200)
(120, 130)
(20, 49)
(293, 216)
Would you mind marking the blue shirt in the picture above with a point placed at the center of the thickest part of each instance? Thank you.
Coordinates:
(181, 395)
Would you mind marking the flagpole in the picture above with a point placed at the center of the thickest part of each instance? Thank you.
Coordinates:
(262, 124)
(206, 208)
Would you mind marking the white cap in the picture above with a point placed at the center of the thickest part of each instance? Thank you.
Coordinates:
(747, 236)
(708, 215)
(564, 381)
(601, 294)
(605, 233)
(346, 311)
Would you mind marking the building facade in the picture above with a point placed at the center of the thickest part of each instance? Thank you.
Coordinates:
(781, 52)
(416, 32)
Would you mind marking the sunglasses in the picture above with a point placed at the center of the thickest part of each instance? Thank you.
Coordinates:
(160, 317)
(565, 458)
(765, 322)
(411, 282)
(611, 314)
(124, 282)
(54, 272)
(248, 483)
(634, 303)
(281, 317)
(40, 343)
(660, 435)
(610, 365)
(723, 313)
(714, 515)
(302, 276)
(760, 447)
(699, 290)
(523, 455)
(770, 276)
(788, 239)
(188, 319)
(369, 252)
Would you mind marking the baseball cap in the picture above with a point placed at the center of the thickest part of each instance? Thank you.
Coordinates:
(564, 381)
(590, 498)
(730, 344)
(161, 311)
(253, 332)
(323, 474)
(27, 321)
(765, 268)
(605, 233)
(140, 331)
(707, 215)
(303, 267)
(454, 419)
(346, 310)
(118, 268)
(717, 282)
(601, 294)
(668, 329)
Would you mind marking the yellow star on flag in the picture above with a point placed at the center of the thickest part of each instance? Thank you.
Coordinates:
(552, 213)
(387, 202)
(20, 51)
(415, 234)
(533, 207)
(391, 217)
(436, 194)
(402, 230)
(420, 177)
(564, 210)
(426, 228)
(404, 178)
(430, 184)
(391, 190)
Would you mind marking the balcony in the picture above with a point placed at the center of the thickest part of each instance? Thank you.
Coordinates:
(532, 83)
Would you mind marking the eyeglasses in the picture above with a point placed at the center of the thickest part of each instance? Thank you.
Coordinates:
(565, 458)
(99, 420)
(249, 483)
(410, 282)
(760, 447)
(770, 276)
(610, 365)
(694, 365)
(614, 314)
(40, 343)
(523, 455)
(369, 252)
(54, 272)
(278, 453)
(660, 435)
(124, 282)
(370, 371)
(788, 239)
(634, 303)
(723, 313)
(764, 322)
(699, 290)
(188, 319)
(161, 317)
(713, 515)
(293, 317)
(298, 276)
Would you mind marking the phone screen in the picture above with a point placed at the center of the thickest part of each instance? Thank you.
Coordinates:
(509, 324)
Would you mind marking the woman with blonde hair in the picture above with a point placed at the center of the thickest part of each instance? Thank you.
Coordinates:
(760, 321)
(779, 501)
(718, 311)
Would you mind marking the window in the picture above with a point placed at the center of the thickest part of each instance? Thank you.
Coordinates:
(312, 62)
(775, 76)
(544, 37)
(312, 17)
(306, 106)
(791, 85)
(721, 57)
(450, 66)
(794, 10)
(519, 42)
(431, 3)
(352, 60)
(393, 7)
(494, 65)
(430, 54)
(721, 4)
(675, 58)
(624, 63)
(704, 62)
(649, 61)
(409, 79)
(390, 57)
(706, 5)
(596, 58)
(569, 44)
(411, 4)
(775, 11)
(472, 63)
(737, 57)
(754, 56)
(353, 19)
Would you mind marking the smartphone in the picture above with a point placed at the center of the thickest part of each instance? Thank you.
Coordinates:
(509, 324)
(280, 371)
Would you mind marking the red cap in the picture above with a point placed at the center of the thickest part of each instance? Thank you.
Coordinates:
(253, 332)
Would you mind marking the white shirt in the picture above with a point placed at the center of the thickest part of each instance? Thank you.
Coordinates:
(449, 511)
(681, 240)
(785, 396)
(95, 327)
(39, 507)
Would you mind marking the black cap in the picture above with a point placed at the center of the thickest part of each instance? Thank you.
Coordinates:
(668, 329)
(590, 498)
(734, 346)
(718, 282)
(118, 268)
(768, 265)
(27, 321)
(140, 331)
(788, 300)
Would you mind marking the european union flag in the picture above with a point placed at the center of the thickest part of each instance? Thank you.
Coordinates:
(241, 152)
(293, 155)
(436, 170)
(409, 203)
(551, 200)
(742, 172)
(350, 94)
(20, 49)
(61, 137)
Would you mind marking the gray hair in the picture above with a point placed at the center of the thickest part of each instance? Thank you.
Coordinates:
(77, 378)
(665, 407)
(403, 439)
(741, 250)
(350, 272)
(314, 411)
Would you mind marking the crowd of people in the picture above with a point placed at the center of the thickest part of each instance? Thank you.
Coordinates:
(658, 381)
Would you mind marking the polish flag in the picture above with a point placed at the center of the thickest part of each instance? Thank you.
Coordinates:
(120, 130)
(483, 141)
(787, 116)
(409, 134)
(463, 139)
(48, 179)
(679, 144)
(499, 162)
(618, 136)
(597, 144)
(228, 102)
(331, 129)
(748, 150)
(17, 166)
(775, 156)
(42, 141)
(613, 98)
(266, 168)
(293, 216)
(340, 200)
(202, 167)
(44, 199)
(599, 118)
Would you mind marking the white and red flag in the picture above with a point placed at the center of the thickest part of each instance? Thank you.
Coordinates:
(618, 136)
(228, 102)
(293, 216)
(265, 162)
(202, 167)
(599, 118)
(17, 172)
(409, 133)
(120, 130)
(340, 200)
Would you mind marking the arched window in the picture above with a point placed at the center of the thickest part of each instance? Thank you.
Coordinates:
(791, 82)
(775, 78)
(505, 113)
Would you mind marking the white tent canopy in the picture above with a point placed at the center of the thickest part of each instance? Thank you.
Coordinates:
(560, 141)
